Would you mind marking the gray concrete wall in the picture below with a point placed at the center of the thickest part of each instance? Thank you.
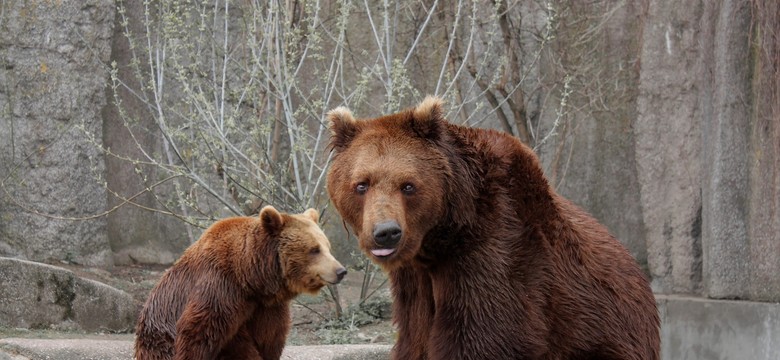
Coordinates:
(51, 92)
(136, 235)
(740, 238)
(726, 127)
(703, 329)
(591, 160)
(764, 156)
(741, 147)
(680, 160)
(668, 145)
(707, 153)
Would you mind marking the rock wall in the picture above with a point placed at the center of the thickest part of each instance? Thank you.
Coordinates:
(671, 138)
(591, 158)
(52, 84)
(725, 140)
(40, 296)
(136, 235)
(741, 145)
(764, 153)
(668, 144)
(684, 166)
(707, 157)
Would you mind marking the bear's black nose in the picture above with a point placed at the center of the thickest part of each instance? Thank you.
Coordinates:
(387, 234)
(340, 272)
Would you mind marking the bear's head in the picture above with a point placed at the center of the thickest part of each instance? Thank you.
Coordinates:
(304, 252)
(388, 178)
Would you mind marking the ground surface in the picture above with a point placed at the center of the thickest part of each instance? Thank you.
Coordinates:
(314, 317)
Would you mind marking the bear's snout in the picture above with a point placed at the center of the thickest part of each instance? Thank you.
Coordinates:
(340, 272)
(387, 234)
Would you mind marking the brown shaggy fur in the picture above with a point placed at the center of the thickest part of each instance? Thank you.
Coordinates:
(491, 262)
(228, 296)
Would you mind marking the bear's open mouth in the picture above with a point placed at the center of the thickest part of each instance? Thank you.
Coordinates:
(382, 252)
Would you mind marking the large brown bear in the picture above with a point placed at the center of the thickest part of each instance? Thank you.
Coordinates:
(485, 260)
(228, 296)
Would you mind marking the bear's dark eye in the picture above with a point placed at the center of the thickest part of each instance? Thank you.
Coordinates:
(361, 188)
(408, 189)
(314, 251)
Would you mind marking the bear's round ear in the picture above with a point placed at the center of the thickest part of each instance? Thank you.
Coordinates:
(271, 219)
(343, 127)
(312, 214)
(428, 118)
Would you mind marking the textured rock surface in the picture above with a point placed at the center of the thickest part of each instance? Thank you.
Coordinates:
(43, 296)
(673, 143)
(764, 163)
(725, 140)
(739, 193)
(595, 167)
(668, 144)
(707, 150)
(689, 177)
(51, 85)
(136, 235)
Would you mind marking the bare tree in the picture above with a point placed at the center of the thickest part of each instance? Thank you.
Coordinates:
(236, 91)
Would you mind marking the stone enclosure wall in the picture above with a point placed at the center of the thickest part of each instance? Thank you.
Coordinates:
(52, 89)
(685, 169)
(680, 161)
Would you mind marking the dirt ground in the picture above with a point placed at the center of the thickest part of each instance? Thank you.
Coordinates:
(314, 320)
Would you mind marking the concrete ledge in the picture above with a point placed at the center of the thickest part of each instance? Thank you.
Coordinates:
(697, 328)
(337, 352)
(66, 349)
(88, 349)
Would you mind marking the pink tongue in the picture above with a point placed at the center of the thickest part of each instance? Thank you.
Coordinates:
(382, 252)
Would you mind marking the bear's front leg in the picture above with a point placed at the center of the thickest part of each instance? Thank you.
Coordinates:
(212, 317)
(269, 326)
(242, 346)
(482, 314)
(413, 312)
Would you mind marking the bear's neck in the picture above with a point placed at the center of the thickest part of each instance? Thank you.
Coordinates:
(260, 263)
(494, 174)
(496, 184)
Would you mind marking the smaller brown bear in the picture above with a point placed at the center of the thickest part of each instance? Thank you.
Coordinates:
(228, 296)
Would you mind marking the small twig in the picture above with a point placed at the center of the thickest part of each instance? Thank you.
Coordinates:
(372, 292)
(310, 309)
